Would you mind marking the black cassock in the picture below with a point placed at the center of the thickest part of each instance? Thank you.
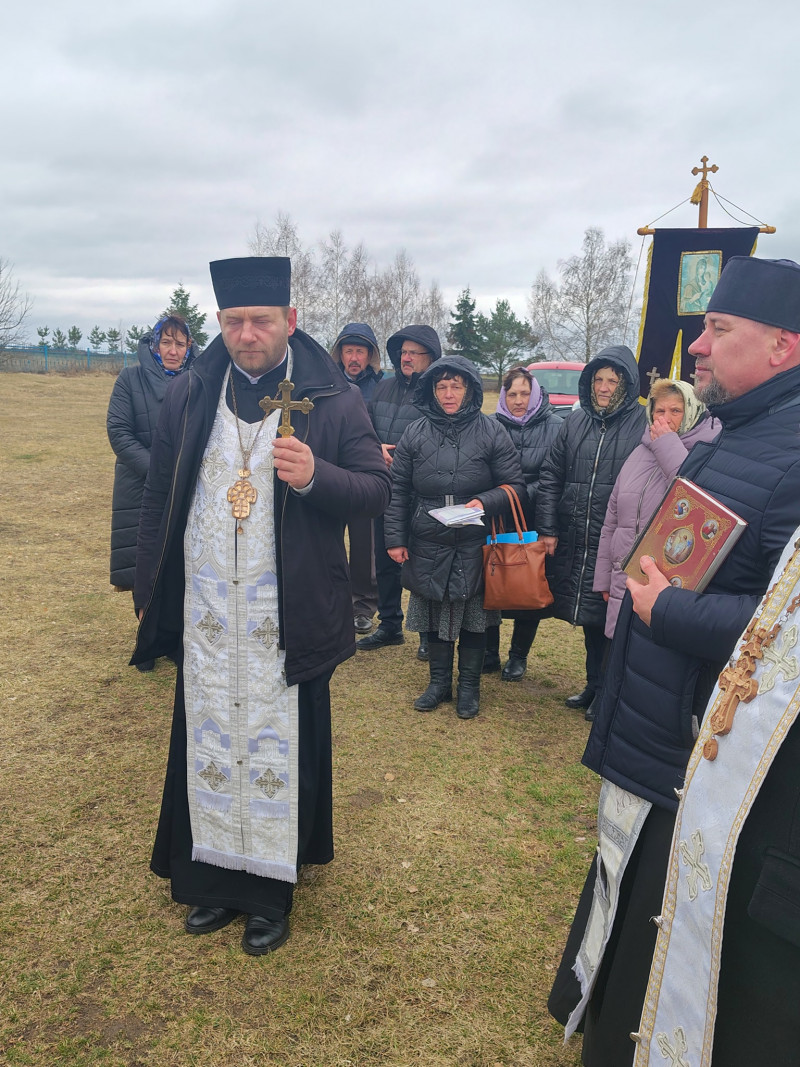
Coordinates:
(204, 884)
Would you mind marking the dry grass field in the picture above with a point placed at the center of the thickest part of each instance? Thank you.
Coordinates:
(461, 846)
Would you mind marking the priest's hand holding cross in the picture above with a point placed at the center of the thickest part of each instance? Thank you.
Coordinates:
(294, 462)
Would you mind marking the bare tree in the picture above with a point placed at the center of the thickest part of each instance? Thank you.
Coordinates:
(14, 306)
(282, 240)
(333, 284)
(587, 308)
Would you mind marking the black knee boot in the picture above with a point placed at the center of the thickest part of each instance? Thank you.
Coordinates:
(440, 665)
(491, 657)
(470, 664)
(521, 641)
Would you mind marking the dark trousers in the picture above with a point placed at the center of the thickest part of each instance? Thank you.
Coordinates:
(596, 643)
(362, 566)
(390, 587)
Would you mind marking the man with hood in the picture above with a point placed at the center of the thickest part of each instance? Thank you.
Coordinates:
(392, 408)
(356, 352)
(669, 647)
(241, 573)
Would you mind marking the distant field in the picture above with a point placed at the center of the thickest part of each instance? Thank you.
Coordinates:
(431, 939)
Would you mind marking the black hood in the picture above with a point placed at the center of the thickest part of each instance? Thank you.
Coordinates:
(426, 402)
(624, 363)
(422, 335)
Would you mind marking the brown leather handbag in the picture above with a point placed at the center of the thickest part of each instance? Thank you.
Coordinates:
(513, 566)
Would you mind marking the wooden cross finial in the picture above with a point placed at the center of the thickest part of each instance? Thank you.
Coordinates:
(286, 405)
(700, 195)
(704, 170)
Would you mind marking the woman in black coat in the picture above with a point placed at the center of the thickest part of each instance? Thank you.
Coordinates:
(453, 455)
(524, 409)
(133, 412)
(574, 487)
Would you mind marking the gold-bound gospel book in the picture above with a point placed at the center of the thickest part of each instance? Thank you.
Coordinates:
(688, 537)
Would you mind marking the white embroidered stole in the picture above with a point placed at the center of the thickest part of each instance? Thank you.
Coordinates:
(620, 817)
(680, 1007)
(241, 718)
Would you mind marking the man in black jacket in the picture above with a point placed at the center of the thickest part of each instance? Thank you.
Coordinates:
(670, 645)
(411, 350)
(241, 571)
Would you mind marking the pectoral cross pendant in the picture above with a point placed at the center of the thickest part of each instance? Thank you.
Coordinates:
(241, 495)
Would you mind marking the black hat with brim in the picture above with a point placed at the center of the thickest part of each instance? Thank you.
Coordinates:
(764, 290)
(252, 281)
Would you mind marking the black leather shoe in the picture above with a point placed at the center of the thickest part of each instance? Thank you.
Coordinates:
(380, 639)
(146, 666)
(580, 700)
(589, 713)
(362, 624)
(264, 935)
(515, 668)
(422, 651)
(207, 920)
(491, 662)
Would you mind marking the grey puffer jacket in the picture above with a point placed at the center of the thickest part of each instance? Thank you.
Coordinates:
(133, 412)
(440, 460)
(576, 483)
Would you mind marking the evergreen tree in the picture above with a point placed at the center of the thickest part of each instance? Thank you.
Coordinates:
(59, 339)
(505, 340)
(133, 337)
(463, 336)
(113, 337)
(179, 301)
(44, 333)
(97, 338)
(74, 336)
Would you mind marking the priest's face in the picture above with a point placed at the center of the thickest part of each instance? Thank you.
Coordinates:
(256, 337)
(733, 355)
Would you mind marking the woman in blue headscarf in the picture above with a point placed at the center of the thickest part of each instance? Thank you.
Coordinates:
(164, 352)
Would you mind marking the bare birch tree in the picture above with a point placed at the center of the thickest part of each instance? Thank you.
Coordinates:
(14, 307)
(586, 309)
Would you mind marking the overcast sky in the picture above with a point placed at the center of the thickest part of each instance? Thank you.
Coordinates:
(141, 141)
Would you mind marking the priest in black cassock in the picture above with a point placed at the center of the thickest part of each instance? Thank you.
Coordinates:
(241, 575)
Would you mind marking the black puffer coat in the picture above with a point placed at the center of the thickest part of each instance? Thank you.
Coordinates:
(533, 441)
(448, 459)
(576, 482)
(133, 412)
(391, 406)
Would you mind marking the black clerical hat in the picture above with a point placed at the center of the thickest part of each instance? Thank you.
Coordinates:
(253, 281)
(765, 290)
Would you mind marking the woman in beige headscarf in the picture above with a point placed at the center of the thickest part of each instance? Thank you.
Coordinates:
(677, 421)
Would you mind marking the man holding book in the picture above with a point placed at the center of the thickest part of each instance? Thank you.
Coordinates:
(670, 645)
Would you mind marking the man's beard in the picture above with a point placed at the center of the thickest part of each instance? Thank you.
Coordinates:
(713, 394)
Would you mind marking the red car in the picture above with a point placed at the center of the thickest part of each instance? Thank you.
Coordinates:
(561, 382)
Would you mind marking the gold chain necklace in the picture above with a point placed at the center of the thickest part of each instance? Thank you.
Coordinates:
(243, 493)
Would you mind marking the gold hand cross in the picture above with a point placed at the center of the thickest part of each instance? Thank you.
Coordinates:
(286, 405)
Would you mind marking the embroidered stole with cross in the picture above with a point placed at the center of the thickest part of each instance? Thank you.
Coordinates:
(752, 709)
(241, 718)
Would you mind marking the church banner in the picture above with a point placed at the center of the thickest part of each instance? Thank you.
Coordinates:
(683, 266)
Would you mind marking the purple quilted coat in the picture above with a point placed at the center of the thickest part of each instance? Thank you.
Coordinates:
(641, 484)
